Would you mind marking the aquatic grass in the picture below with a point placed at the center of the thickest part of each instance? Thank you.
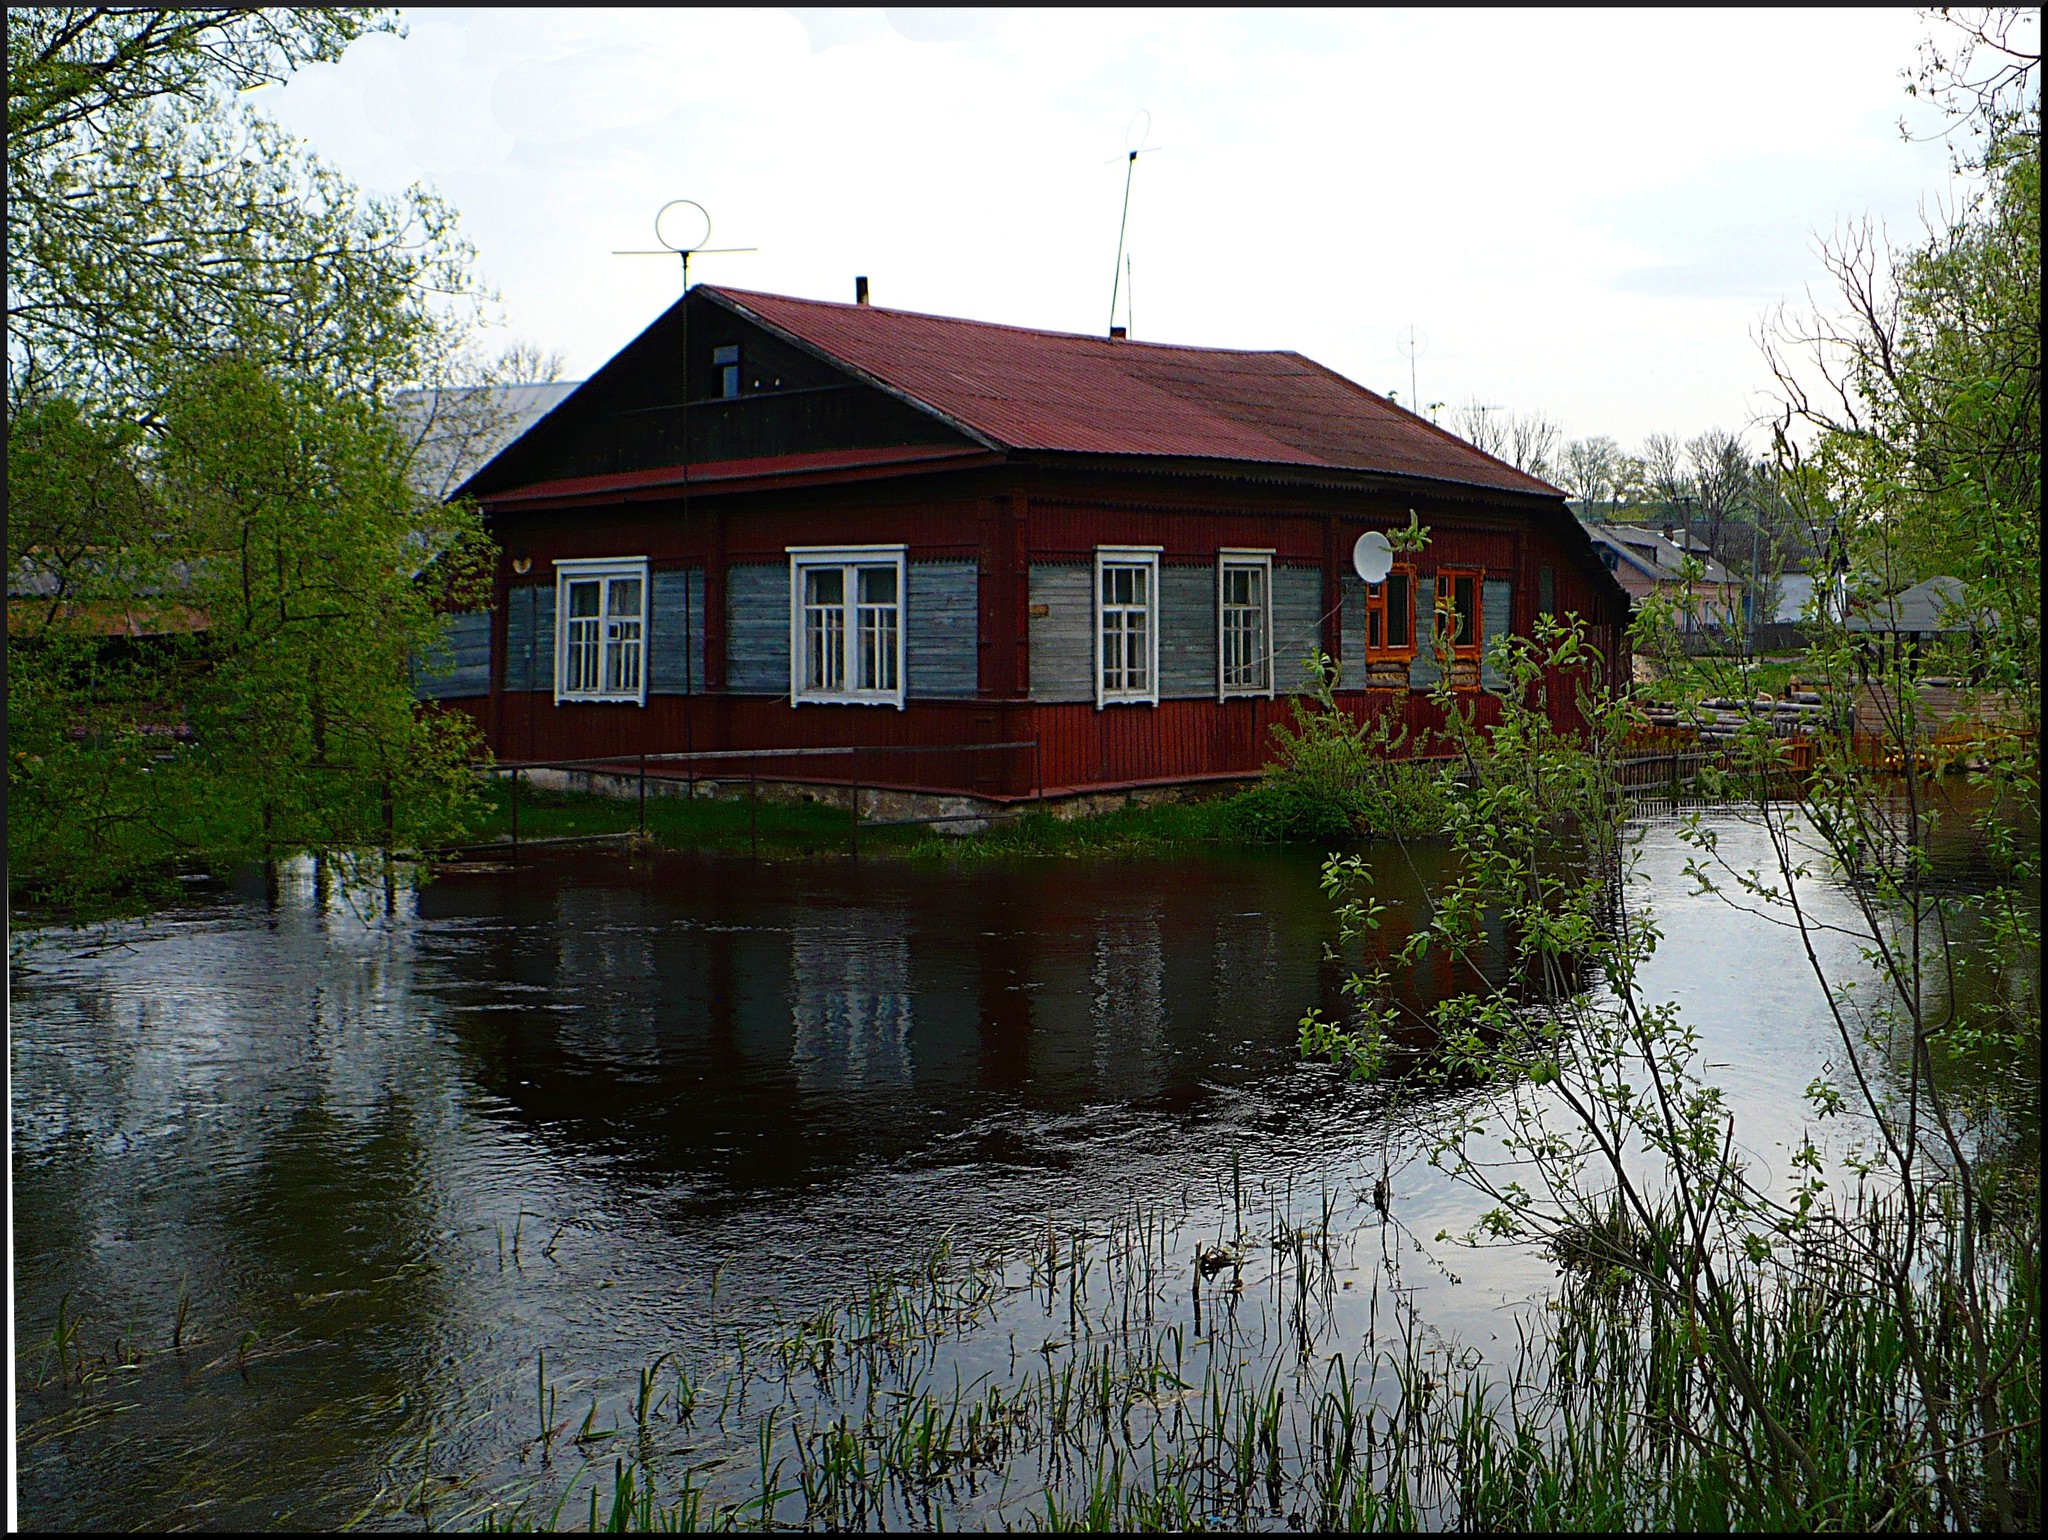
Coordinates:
(1602, 1413)
(894, 1405)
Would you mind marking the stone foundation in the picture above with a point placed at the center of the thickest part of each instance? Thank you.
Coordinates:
(948, 812)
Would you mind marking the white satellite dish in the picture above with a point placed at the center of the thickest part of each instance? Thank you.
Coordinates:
(1373, 557)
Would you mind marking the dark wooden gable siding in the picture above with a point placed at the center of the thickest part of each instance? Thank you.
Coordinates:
(629, 415)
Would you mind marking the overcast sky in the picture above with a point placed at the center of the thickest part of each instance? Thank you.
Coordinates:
(1586, 213)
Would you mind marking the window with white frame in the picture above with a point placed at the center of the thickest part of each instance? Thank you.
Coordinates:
(601, 630)
(846, 624)
(1126, 625)
(1244, 623)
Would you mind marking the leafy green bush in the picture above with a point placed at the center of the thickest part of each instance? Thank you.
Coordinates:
(1337, 776)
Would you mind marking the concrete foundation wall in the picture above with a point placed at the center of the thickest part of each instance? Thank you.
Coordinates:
(880, 804)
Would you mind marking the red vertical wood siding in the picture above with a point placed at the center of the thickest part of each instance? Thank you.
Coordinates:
(1005, 521)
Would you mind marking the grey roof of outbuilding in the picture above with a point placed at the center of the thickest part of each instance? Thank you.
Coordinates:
(1649, 551)
(461, 428)
(1938, 604)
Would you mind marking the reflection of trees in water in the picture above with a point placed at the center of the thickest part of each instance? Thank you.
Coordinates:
(850, 1001)
(252, 1118)
(1979, 992)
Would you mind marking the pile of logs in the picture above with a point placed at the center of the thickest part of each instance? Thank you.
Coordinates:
(1797, 716)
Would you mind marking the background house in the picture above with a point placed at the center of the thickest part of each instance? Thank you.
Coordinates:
(783, 523)
(1648, 561)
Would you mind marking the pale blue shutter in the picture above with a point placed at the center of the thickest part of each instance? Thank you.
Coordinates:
(675, 626)
(1496, 620)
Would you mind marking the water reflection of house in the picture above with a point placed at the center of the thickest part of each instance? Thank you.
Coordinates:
(1127, 1003)
(1250, 966)
(850, 1001)
(602, 941)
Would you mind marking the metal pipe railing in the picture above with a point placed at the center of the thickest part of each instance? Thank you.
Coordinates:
(693, 757)
(835, 751)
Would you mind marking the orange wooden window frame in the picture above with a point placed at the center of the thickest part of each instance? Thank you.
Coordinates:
(1379, 612)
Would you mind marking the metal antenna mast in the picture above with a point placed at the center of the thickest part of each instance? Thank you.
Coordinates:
(1134, 146)
(1412, 342)
(684, 237)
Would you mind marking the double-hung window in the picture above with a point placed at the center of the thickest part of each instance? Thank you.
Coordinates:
(1390, 617)
(846, 624)
(1126, 625)
(601, 630)
(1244, 623)
(1458, 615)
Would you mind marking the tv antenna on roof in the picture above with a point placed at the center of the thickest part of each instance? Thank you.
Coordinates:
(1412, 344)
(682, 226)
(1134, 146)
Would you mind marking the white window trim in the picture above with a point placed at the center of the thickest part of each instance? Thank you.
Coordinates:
(585, 568)
(1245, 556)
(1146, 556)
(803, 557)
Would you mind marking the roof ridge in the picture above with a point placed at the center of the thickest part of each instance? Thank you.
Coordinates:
(742, 295)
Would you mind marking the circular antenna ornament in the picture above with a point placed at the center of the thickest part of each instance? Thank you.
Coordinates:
(1372, 557)
(682, 225)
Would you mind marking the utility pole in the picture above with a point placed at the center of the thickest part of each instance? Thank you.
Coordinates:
(1755, 572)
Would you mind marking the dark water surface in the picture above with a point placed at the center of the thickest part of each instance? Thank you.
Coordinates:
(366, 1171)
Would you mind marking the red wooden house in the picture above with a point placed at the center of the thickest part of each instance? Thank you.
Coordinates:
(780, 523)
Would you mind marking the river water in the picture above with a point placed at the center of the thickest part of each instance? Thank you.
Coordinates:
(370, 1172)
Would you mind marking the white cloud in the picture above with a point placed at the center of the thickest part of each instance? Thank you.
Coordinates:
(1587, 211)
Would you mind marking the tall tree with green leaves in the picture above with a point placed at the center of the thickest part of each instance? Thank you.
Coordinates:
(1912, 412)
(220, 571)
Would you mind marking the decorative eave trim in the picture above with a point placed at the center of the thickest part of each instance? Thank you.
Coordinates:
(820, 468)
(1280, 473)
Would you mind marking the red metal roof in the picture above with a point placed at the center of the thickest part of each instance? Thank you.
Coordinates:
(1039, 390)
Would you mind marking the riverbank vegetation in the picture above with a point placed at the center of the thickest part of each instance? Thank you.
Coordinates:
(1326, 789)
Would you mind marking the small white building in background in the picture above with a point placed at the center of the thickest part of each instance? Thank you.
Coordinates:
(1795, 589)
